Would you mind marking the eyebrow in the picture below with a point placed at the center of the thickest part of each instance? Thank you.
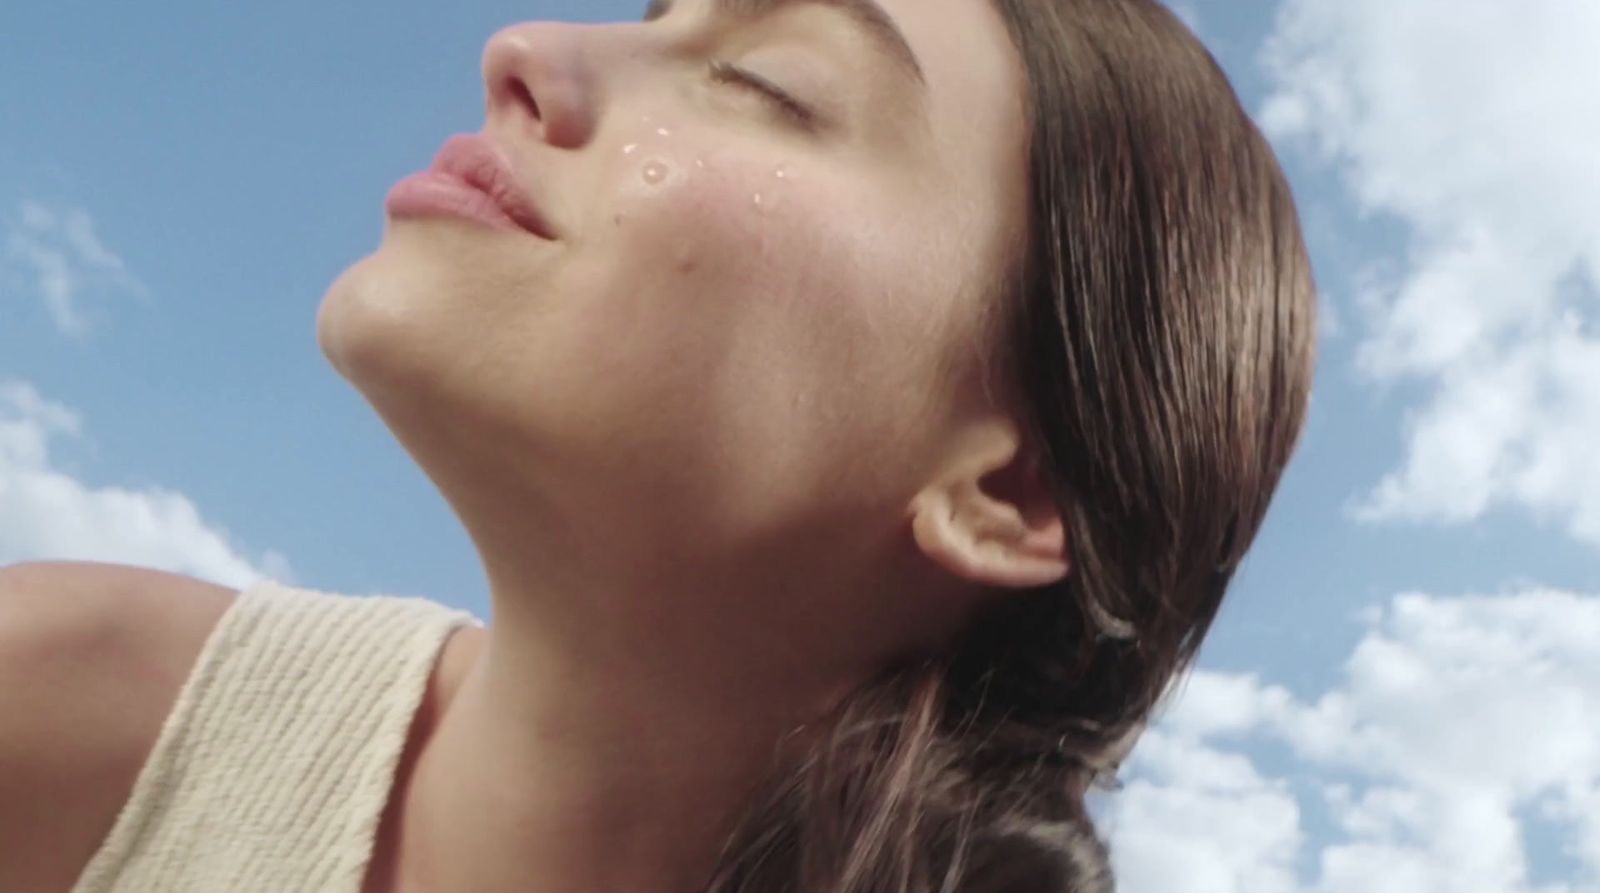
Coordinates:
(867, 14)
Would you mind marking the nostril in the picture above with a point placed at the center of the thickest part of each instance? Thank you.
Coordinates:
(520, 91)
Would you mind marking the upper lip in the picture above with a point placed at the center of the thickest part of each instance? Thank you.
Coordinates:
(472, 158)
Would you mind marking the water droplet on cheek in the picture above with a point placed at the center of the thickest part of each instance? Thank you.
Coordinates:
(663, 131)
(630, 148)
(769, 200)
(655, 172)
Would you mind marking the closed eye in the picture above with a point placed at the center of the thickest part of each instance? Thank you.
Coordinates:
(791, 108)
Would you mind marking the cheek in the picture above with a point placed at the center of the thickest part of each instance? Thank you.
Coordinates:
(804, 262)
(699, 255)
(710, 213)
(791, 299)
(690, 254)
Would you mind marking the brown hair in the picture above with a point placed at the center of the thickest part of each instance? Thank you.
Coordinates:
(1160, 333)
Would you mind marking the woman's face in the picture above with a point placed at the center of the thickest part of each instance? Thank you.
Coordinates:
(747, 317)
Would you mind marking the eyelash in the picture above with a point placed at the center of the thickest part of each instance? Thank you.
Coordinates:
(790, 107)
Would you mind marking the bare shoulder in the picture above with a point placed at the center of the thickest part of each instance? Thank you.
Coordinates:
(106, 601)
(92, 658)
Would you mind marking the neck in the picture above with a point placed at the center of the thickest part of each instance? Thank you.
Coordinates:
(617, 715)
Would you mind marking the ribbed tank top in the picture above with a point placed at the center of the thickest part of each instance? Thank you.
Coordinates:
(272, 770)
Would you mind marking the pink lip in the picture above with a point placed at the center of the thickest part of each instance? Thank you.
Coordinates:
(469, 179)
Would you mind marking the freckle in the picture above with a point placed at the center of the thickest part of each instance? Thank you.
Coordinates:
(630, 148)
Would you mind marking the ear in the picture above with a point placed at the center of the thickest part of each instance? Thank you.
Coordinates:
(989, 515)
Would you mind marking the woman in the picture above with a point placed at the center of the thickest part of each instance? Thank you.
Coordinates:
(859, 409)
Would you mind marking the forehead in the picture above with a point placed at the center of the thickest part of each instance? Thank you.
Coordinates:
(975, 90)
(963, 46)
(971, 70)
(976, 95)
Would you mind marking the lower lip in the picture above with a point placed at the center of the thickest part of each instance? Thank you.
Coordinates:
(431, 194)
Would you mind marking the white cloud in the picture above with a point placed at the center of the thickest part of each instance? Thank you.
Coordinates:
(1453, 720)
(57, 253)
(47, 513)
(1197, 819)
(1475, 124)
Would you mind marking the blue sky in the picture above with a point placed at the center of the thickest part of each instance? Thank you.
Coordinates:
(181, 184)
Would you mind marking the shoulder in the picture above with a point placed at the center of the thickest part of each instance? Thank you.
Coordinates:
(92, 658)
(72, 628)
(83, 597)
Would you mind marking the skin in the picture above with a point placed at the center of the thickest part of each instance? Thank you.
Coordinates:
(721, 458)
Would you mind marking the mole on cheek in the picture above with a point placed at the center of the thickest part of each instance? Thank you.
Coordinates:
(686, 258)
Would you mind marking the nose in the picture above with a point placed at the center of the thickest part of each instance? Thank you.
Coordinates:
(539, 82)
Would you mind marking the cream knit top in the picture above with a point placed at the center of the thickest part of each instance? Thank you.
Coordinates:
(273, 769)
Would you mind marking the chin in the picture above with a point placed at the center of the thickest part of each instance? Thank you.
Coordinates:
(348, 317)
(373, 323)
